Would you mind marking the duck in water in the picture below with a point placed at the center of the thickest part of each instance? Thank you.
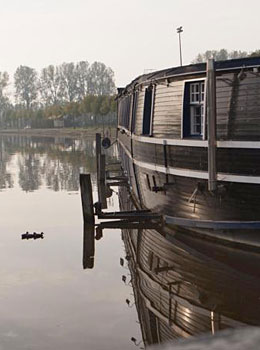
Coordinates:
(33, 235)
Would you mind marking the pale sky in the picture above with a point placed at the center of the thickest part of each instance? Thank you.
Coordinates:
(129, 36)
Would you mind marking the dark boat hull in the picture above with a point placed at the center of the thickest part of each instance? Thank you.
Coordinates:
(229, 215)
(205, 178)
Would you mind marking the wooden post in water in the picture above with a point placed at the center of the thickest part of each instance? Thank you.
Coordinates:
(87, 198)
(101, 173)
(102, 167)
(102, 181)
(211, 117)
(88, 246)
(98, 152)
(89, 221)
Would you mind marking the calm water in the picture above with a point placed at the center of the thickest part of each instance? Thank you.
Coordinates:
(182, 286)
(47, 300)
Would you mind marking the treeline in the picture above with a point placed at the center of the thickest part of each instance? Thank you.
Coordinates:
(91, 110)
(69, 90)
(223, 54)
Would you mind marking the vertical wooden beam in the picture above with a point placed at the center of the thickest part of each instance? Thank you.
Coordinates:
(211, 117)
(89, 221)
(152, 110)
(86, 198)
(233, 106)
(88, 246)
(165, 159)
(102, 182)
(102, 167)
(102, 195)
(101, 173)
(98, 151)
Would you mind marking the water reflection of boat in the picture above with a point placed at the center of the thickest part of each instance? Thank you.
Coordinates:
(199, 169)
(185, 286)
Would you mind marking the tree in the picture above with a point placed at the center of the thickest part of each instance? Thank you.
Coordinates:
(50, 85)
(25, 80)
(4, 79)
(219, 55)
(255, 53)
(54, 110)
(82, 78)
(75, 89)
(72, 109)
(237, 54)
(105, 105)
(95, 105)
(29, 172)
(101, 79)
(68, 78)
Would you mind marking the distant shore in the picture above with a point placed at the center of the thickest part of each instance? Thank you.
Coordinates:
(109, 131)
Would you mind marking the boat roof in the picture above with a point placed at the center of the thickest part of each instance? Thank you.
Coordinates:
(239, 63)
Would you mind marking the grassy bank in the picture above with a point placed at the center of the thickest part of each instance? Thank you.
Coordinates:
(62, 132)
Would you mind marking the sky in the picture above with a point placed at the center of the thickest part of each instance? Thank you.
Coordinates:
(131, 37)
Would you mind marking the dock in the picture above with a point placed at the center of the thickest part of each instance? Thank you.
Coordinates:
(108, 175)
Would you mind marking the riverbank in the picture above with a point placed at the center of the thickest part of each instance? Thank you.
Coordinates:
(90, 132)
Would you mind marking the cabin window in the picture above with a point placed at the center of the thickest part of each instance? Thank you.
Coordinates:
(194, 109)
(124, 107)
(134, 109)
(148, 111)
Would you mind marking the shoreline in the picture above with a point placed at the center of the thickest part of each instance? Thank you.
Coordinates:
(62, 132)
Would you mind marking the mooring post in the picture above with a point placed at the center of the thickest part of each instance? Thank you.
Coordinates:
(98, 151)
(89, 221)
(211, 117)
(87, 198)
(101, 172)
(102, 167)
(88, 246)
(102, 181)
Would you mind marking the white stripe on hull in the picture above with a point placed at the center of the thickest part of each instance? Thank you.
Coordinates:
(192, 173)
(192, 143)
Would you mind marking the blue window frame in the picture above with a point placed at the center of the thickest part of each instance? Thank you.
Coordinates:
(194, 109)
(147, 115)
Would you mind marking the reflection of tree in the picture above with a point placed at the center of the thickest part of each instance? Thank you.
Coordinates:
(29, 172)
(6, 179)
(61, 176)
(57, 162)
(62, 169)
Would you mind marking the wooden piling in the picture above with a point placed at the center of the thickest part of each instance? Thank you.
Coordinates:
(98, 150)
(89, 221)
(102, 181)
(87, 198)
(211, 118)
(102, 167)
(88, 246)
(101, 173)
(102, 194)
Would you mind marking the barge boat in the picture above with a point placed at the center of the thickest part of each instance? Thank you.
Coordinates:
(189, 141)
